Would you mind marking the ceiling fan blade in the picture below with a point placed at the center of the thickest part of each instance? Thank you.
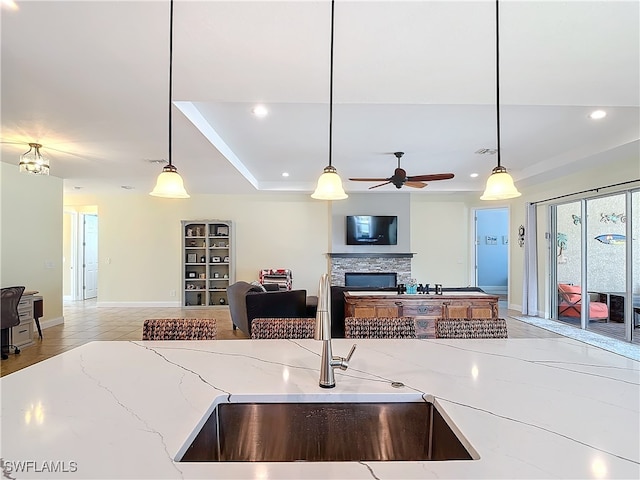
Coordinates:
(380, 185)
(430, 178)
(415, 184)
(368, 179)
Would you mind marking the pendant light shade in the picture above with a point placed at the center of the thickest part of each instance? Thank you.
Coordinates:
(169, 183)
(33, 162)
(329, 184)
(499, 184)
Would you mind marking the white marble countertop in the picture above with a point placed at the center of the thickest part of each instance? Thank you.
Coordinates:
(531, 408)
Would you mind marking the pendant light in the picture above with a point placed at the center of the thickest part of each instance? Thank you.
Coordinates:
(33, 162)
(499, 184)
(169, 183)
(329, 184)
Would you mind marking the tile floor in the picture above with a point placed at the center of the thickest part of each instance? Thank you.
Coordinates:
(85, 322)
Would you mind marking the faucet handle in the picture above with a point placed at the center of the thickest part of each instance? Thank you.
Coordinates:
(353, 349)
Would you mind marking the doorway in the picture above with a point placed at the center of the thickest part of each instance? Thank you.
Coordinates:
(90, 257)
(492, 250)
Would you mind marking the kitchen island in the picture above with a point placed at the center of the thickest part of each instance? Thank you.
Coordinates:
(529, 408)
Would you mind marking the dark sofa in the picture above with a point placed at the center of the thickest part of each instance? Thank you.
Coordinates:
(247, 301)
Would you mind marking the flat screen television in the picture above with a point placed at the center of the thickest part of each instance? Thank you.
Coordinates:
(372, 230)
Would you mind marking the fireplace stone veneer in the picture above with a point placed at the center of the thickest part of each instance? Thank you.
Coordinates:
(342, 263)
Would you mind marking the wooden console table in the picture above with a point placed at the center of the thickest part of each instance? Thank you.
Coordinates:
(425, 308)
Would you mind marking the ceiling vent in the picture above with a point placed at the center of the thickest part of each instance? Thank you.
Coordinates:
(486, 151)
(158, 161)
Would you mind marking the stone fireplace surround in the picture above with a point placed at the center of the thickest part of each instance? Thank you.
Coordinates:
(342, 263)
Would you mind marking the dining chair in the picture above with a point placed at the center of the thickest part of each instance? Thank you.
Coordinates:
(379, 327)
(179, 329)
(271, 328)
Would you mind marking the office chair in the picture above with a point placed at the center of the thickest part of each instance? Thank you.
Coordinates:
(9, 316)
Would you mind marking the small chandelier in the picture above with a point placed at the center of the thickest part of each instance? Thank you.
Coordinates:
(33, 161)
(169, 183)
(330, 184)
(499, 184)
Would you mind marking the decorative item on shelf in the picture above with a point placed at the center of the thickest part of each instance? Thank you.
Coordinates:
(169, 183)
(420, 288)
(427, 288)
(412, 287)
(203, 259)
(189, 232)
(222, 301)
(215, 259)
(438, 289)
(401, 288)
(191, 275)
(192, 258)
(192, 243)
(203, 276)
(216, 275)
(222, 230)
(499, 184)
(521, 236)
(226, 275)
(225, 259)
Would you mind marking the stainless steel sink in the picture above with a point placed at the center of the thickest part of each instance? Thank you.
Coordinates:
(325, 432)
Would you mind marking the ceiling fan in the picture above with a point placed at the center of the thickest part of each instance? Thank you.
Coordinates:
(400, 178)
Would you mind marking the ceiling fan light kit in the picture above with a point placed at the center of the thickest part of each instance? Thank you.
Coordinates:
(499, 184)
(329, 185)
(33, 162)
(169, 183)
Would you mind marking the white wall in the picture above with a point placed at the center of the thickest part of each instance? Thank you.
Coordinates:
(141, 236)
(440, 238)
(31, 235)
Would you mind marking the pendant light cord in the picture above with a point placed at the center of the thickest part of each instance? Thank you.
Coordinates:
(331, 88)
(170, 74)
(498, 79)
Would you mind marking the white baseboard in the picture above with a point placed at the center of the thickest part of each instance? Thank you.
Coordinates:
(51, 322)
(175, 304)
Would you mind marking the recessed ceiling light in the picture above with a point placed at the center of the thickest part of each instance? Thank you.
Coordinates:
(77, 187)
(127, 187)
(285, 174)
(597, 114)
(260, 111)
(473, 175)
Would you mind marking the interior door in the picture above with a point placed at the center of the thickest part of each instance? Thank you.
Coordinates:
(90, 256)
(492, 245)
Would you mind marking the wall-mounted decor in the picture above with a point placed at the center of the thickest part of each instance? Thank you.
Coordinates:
(576, 219)
(611, 239)
(613, 218)
(192, 258)
(491, 240)
(561, 240)
(521, 236)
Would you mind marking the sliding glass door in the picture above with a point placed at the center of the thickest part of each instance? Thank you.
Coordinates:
(597, 264)
(569, 262)
(607, 264)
